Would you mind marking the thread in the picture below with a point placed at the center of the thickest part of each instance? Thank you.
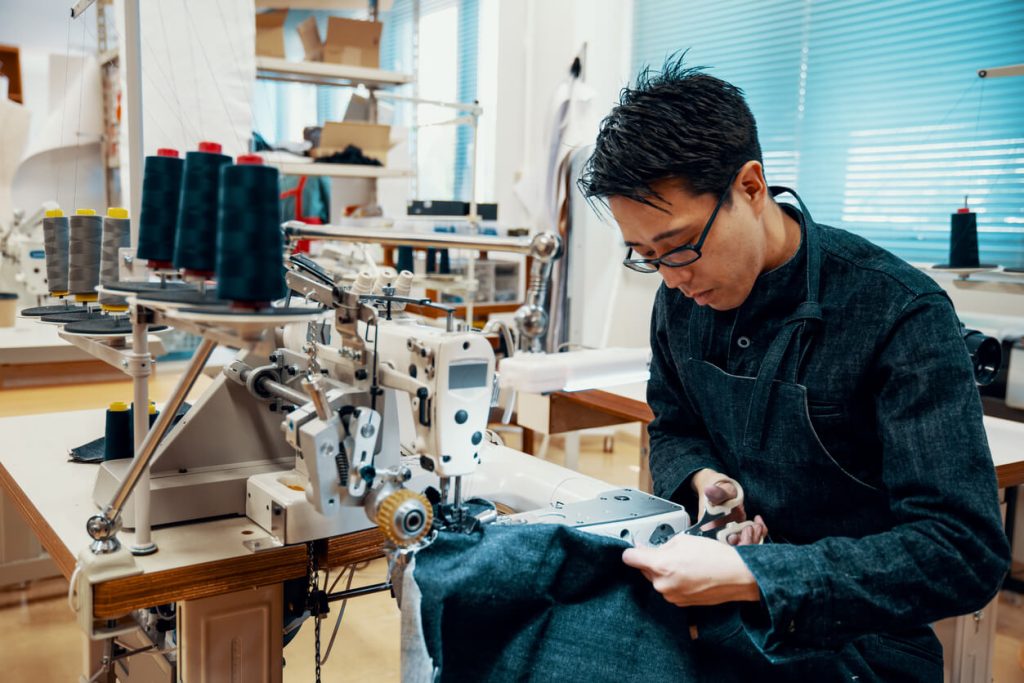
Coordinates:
(195, 242)
(55, 245)
(158, 218)
(364, 283)
(386, 277)
(118, 442)
(116, 236)
(963, 239)
(250, 247)
(405, 259)
(85, 236)
(403, 287)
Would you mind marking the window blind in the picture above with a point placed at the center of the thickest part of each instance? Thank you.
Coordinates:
(872, 111)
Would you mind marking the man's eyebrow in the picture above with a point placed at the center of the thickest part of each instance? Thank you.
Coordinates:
(661, 236)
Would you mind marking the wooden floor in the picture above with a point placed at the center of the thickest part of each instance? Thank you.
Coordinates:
(41, 641)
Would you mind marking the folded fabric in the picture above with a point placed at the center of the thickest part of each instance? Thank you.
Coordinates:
(539, 603)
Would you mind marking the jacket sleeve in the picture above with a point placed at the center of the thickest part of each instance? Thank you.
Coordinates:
(679, 442)
(947, 552)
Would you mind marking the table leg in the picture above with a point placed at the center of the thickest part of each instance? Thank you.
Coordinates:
(529, 437)
(645, 462)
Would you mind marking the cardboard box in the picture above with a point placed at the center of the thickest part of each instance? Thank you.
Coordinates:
(374, 139)
(352, 42)
(270, 33)
(312, 46)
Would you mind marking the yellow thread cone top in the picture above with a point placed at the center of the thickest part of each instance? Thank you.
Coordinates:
(152, 408)
(86, 298)
(117, 212)
(85, 212)
(54, 213)
(405, 517)
(119, 407)
(113, 309)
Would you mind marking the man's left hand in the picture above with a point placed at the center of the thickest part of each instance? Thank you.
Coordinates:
(693, 570)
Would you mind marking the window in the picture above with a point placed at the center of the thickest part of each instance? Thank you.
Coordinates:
(447, 51)
(873, 111)
(447, 45)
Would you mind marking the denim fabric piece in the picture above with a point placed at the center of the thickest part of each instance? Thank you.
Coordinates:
(874, 475)
(545, 603)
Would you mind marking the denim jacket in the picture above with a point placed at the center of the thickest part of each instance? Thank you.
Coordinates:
(891, 397)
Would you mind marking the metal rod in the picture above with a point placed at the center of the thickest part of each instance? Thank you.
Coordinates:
(278, 390)
(296, 230)
(457, 493)
(356, 592)
(133, 115)
(79, 7)
(140, 347)
(1002, 71)
(160, 428)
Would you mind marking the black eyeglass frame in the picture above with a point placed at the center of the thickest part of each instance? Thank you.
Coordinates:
(652, 265)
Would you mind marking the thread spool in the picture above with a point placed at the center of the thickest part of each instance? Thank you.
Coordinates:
(85, 236)
(405, 258)
(195, 242)
(116, 236)
(158, 218)
(963, 240)
(55, 246)
(403, 287)
(364, 283)
(250, 248)
(118, 442)
(386, 277)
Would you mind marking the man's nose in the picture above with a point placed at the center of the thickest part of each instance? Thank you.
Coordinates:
(675, 277)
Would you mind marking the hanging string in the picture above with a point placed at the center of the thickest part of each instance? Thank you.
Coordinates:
(78, 126)
(86, 233)
(64, 105)
(217, 88)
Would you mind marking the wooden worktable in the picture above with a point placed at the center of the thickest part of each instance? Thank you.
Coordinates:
(195, 560)
(32, 354)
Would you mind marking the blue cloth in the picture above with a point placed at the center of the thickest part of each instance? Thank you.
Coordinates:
(545, 603)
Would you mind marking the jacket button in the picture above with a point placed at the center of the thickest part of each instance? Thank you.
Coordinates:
(743, 342)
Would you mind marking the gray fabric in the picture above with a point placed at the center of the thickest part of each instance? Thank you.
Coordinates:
(545, 603)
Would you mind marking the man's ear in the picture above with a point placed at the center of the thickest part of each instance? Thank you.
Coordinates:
(751, 187)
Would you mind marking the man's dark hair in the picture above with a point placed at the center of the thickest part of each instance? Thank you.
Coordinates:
(679, 123)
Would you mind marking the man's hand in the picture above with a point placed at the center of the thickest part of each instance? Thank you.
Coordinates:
(693, 570)
(716, 488)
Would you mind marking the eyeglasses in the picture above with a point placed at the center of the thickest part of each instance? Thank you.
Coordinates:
(680, 256)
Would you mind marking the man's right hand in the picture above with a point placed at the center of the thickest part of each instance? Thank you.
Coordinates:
(716, 488)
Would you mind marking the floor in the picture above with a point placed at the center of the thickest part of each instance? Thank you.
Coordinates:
(41, 641)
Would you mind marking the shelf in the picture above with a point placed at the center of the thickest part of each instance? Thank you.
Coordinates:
(324, 73)
(340, 170)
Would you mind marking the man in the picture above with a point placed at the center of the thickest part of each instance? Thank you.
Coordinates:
(826, 376)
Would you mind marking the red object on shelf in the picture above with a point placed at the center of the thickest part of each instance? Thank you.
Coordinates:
(167, 152)
(249, 160)
(212, 147)
(301, 246)
(963, 209)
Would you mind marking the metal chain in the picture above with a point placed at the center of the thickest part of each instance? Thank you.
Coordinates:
(314, 587)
